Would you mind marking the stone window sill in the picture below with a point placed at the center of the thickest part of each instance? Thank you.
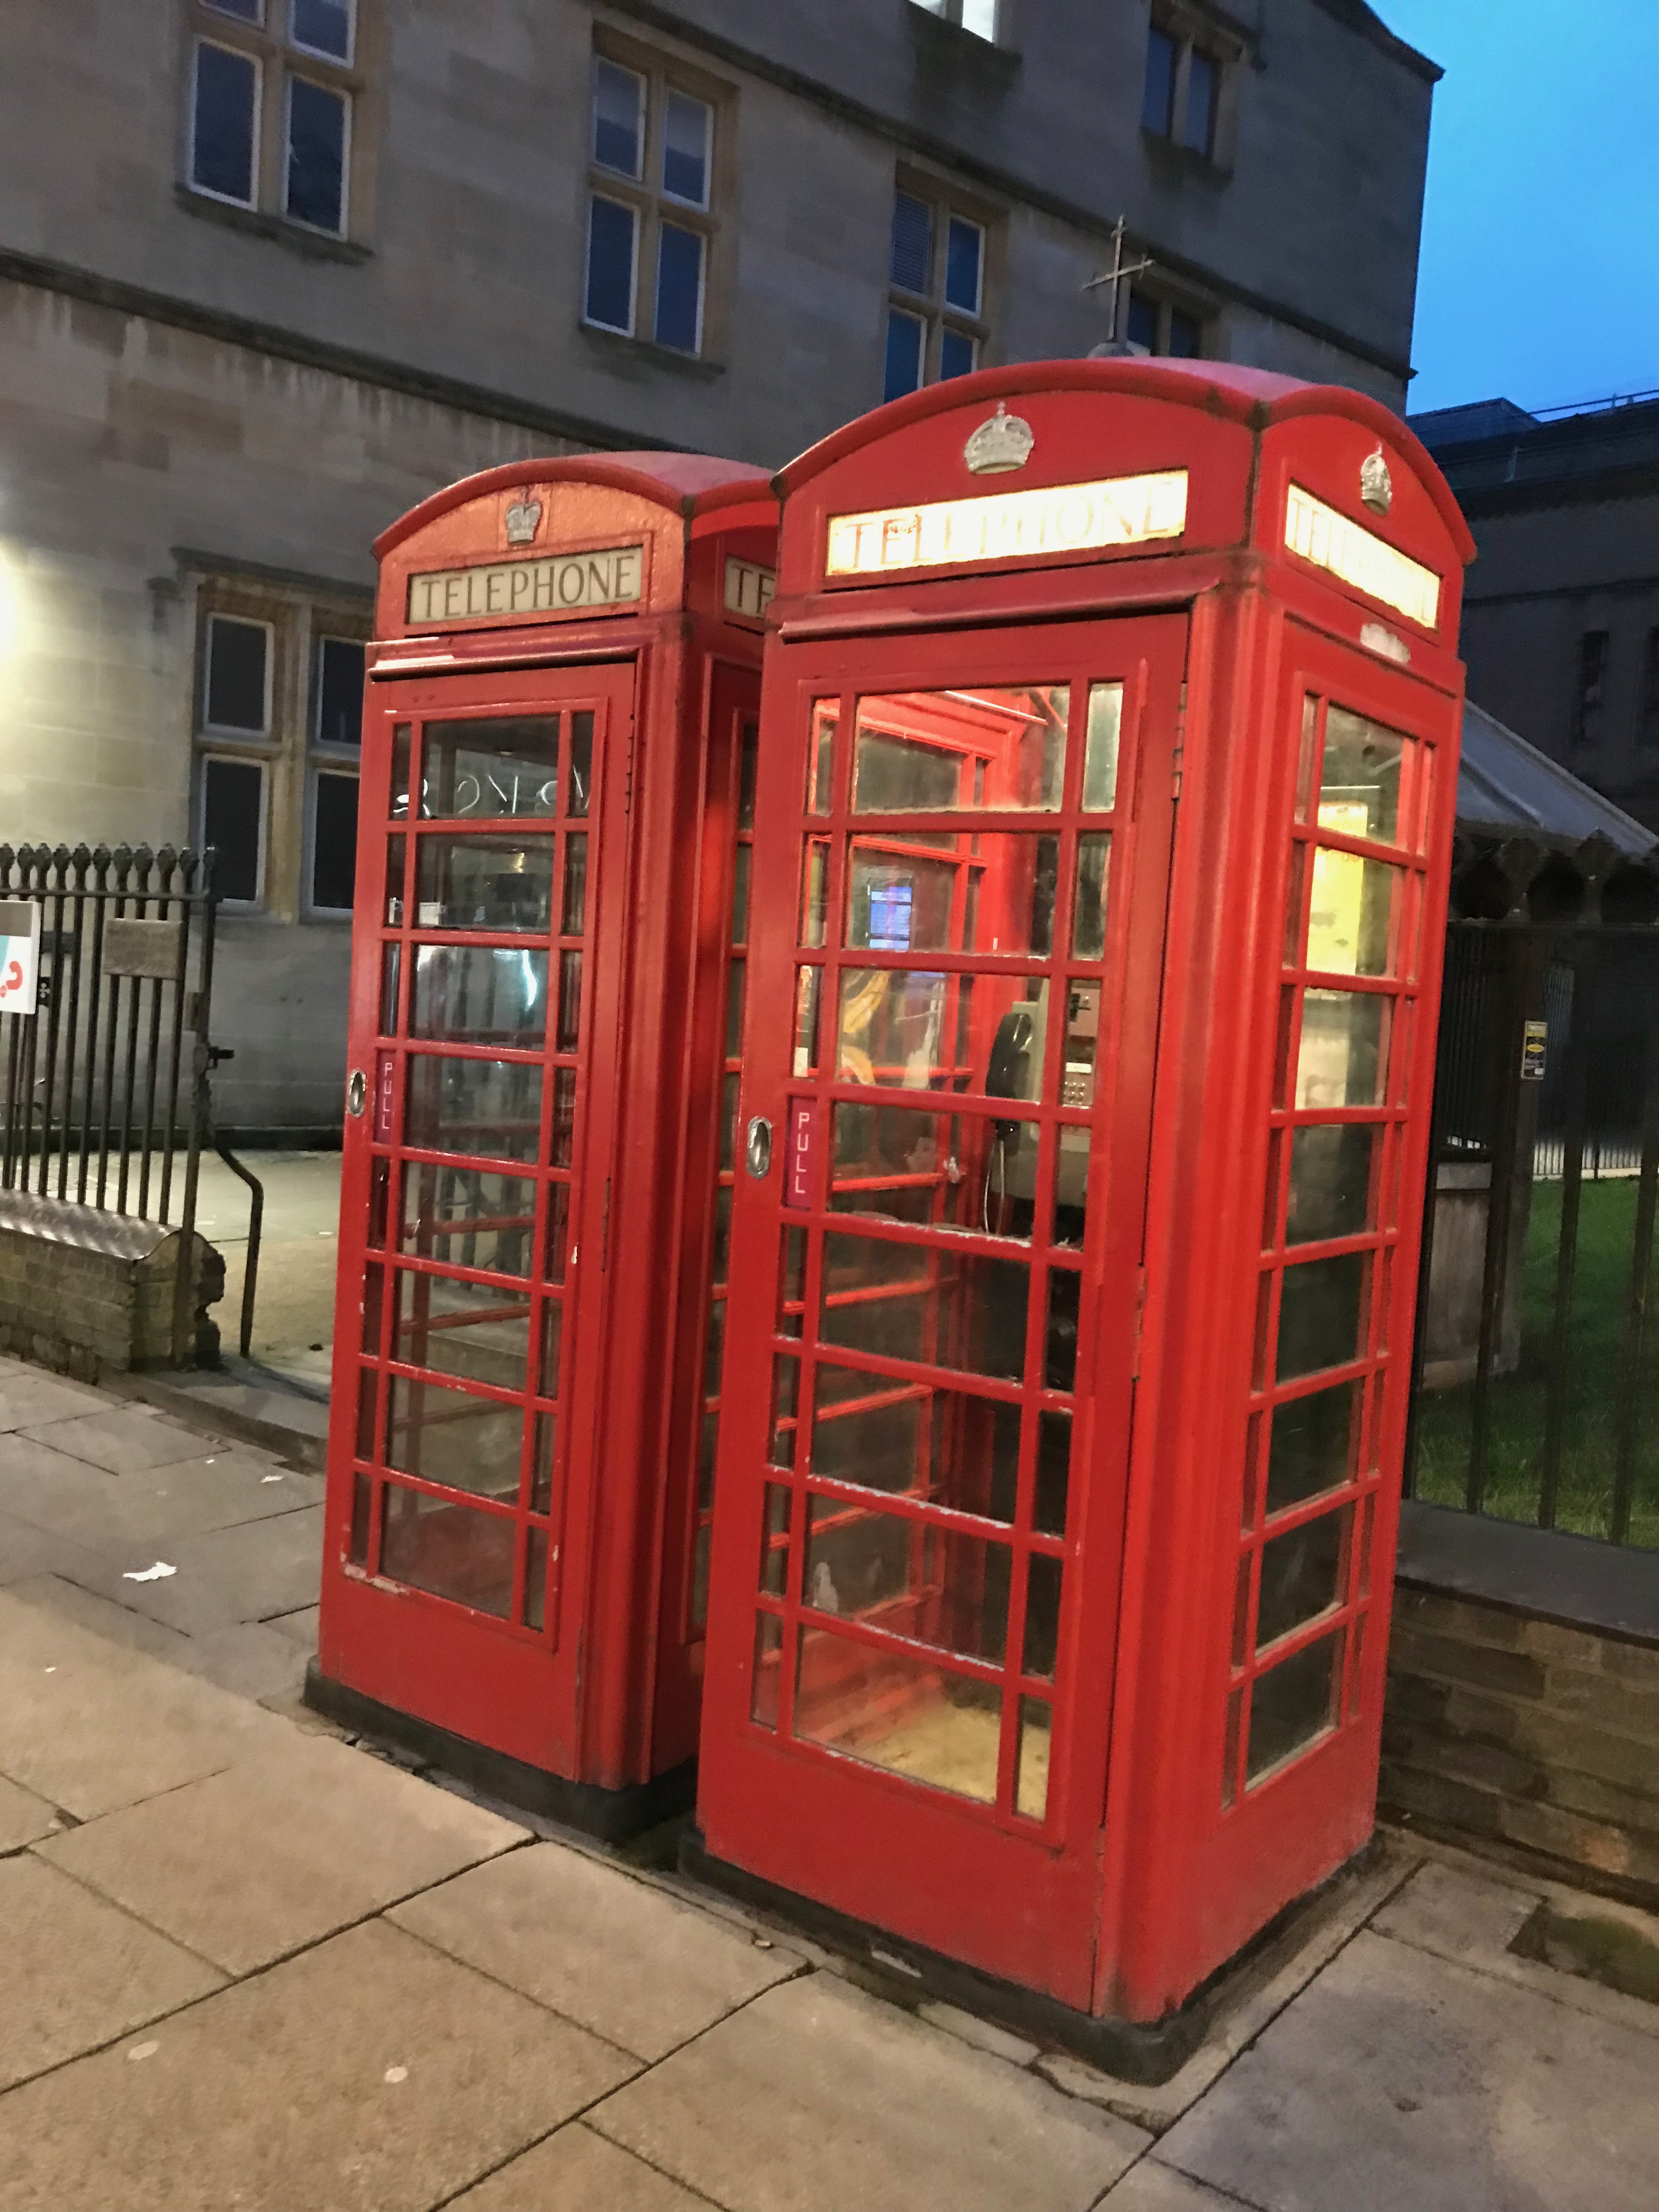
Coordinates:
(1176, 163)
(629, 356)
(310, 245)
(938, 38)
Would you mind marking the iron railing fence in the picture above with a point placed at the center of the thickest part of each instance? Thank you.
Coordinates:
(105, 1095)
(1536, 1381)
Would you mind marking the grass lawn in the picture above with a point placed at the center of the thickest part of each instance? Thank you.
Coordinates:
(1595, 1383)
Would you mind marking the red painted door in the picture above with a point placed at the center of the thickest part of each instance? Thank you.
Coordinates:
(484, 1024)
(961, 868)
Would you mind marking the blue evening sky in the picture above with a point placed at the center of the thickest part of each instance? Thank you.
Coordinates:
(1541, 234)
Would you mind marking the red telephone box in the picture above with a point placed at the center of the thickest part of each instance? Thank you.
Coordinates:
(1105, 813)
(559, 754)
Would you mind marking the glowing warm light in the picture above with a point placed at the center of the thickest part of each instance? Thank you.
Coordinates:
(1360, 557)
(1009, 526)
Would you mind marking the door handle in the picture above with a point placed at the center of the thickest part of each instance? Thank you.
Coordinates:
(356, 1092)
(759, 1148)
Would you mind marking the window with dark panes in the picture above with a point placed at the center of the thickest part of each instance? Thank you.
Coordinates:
(1181, 93)
(339, 692)
(649, 206)
(1156, 326)
(1203, 84)
(1590, 689)
(936, 312)
(292, 59)
(224, 116)
(333, 842)
(237, 689)
(233, 823)
(1647, 733)
(1158, 98)
(317, 124)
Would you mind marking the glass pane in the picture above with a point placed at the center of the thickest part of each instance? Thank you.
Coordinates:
(748, 767)
(572, 921)
(222, 139)
(394, 882)
(957, 1450)
(468, 1218)
(233, 822)
(433, 1544)
(1052, 1472)
(569, 1032)
(468, 1329)
(913, 243)
(679, 287)
(808, 982)
(552, 1337)
(447, 1436)
(933, 1585)
(618, 115)
(334, 844)
(236, 675)
(1094, 855)
(734, 975)
(325, 26)
(544, 1447)
(894, 1710)
(786, 1410)
(988, 748)
(1292, 1704)
(578, 776)
(1198, 131)
(1043, 1584)
(563, 1136)
(1071, 1220)
(1342, 1059)
(490, 770)
(534, 1579)
(769, 1659)
(923, 1303)
(964, 262)
(774, 1540)
(479, 994)
(994, 893)
(401, 740)
(1031, 1780)
(489, 1107)
(958, 355)
(1333, 1174)
(1315, 1445)
(485, 882)
(1301, 1575)
(1359, 778)
(1101, 750)
(316, 154)
(1157, 96)
(1060, 1342)
(946, 1169)
(741, 862)
(1322, 1315)
(906, 337)
(916, 1030)
(1350, 922)
(685, 132)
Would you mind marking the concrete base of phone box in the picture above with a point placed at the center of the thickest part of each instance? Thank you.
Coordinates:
(1148, 2053)
(615, 1816)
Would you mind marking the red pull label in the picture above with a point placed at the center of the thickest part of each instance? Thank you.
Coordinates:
(803, 1145)
(385, 1088)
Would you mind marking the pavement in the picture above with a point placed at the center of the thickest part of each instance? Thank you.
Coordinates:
(248, 1962)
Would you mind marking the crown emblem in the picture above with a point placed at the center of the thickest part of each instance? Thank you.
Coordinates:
(1003, 442)
(523, 520)
(1376, 485)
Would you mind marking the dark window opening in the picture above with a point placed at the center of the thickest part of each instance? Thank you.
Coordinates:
(1591, 685)
(334, 843)
(232, 816)
(339, 691)
(236, 675)
(221, 136)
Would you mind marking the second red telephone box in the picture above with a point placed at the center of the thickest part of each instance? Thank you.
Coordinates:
(560, 744)
(1110, 722)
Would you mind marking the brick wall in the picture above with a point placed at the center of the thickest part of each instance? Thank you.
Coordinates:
(82, 1311)
(1516, 1731)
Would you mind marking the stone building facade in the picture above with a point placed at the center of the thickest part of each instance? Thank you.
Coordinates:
(1561, 615)
(271, 270)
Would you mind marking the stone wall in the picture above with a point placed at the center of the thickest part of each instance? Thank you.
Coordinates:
(84, 1292)
(1527, 1734)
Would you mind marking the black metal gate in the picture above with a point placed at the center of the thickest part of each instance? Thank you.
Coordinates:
(105, 1100)
(1536, 1395)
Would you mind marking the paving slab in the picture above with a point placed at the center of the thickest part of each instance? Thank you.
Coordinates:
(1152, 2187)
(1401, 2080)
(369, 2074)
(142, 1509)
(301, 1627)
(251, 1660)
(90, 1726)
(250, 1572)
(599, 1946)
(577, 2171)
(28, 1396)
(817, 2096)
(24, 1818)
(75, 1972)
(27, 1551)
(280, 1852)
(106, 1617)
(122, 1438)
(1472, 1915)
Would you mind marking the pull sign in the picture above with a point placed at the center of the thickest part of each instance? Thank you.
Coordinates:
(385, 1083)
(1534, 1050)
(20, 956)
(803, 1141)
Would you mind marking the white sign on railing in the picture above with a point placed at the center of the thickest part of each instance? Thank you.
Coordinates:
(20, 956)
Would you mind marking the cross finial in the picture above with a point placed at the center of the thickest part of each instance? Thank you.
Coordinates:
(1117, 276)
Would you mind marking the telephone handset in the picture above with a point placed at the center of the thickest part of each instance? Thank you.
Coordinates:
(1015, 1071)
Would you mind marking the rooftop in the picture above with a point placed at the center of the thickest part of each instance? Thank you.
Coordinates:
(1496, 455)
